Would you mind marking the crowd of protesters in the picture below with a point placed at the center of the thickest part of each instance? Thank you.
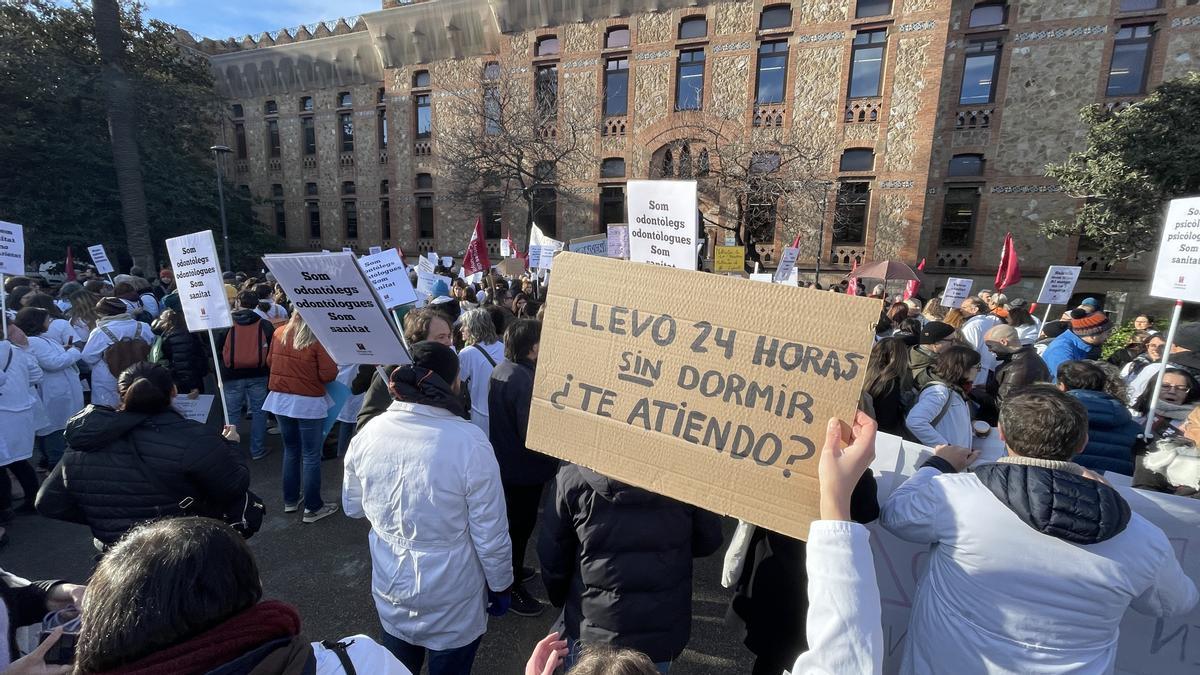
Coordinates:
(436, 460)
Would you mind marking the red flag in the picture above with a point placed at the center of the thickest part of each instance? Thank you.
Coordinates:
(796, 241)
(512, 247)
(911, 288)
(1009, 272)
(400, 251)
(476, 258)
(852, 289)
(70, 265)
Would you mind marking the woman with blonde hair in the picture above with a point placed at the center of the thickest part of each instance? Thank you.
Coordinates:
(955, 318)
(82, 313)
(300, 369)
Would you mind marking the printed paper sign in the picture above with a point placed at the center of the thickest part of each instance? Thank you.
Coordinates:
(762, 276)
(700, 396)
(100, 259)
(198, 279)
(662, 222)
(433, 258)
(505, 249)
(787, 264)
(447, 261)
(375, 249)
(1059, 284)
(597, 244)
(1177, 273)
(618, 241)
(729, 259)
(385, 270)
(347, 249)
(548, 251)
(12, 249)
(427, 285)
(425, 265)
(956, 291)
(196, 409)
(336, 301)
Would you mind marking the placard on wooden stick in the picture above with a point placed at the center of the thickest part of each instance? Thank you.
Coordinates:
(718, 397)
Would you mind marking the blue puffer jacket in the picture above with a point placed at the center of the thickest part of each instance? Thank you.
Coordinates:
(1111, 433)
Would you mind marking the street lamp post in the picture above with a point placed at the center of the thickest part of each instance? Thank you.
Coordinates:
(217, 151)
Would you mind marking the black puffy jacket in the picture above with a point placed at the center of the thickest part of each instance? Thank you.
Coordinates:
(1058, 503)
(101, 483)
(187, 359)
(619, 560)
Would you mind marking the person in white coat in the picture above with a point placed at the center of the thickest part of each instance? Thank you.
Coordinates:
(477, 359)
(19, 373)
(1034, 559)
(60, 391)
(114, 324)
(980, 320)
(428, 482)
(941, 415)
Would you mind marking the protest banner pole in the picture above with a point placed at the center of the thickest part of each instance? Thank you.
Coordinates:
(1166, 357)
(1046, 317)
(212, 342)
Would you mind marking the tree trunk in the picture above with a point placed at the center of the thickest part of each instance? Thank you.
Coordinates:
(122, 131)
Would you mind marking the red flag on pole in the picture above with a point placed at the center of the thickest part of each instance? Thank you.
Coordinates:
(911, 288)
(852, 289)
(1009, 272)
(512, 247)
(70, 265)
(475, 260)
(796, 241)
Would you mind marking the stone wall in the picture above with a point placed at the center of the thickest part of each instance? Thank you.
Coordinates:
(908, 86)
(1052, 10)
(1183, 54)
(817, 83)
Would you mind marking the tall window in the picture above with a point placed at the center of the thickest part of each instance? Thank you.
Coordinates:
(424, 181)
(612, 205)
(306, 104)
(421, 79)
(857, 159)
(979, 72)
(866, 66)
(489, 208)
(385, 219)
(381, 128)
(689, 80)
(691, 27)
(425, 216)
(309, 131)
(545, 210)
(350, 218)
(866, 8)
(850, 216)
(314, 219)
(958, 218)
(424, 115)
(270, 108)
(239, 139)
(612, 167)
(617, 36)
(547, 90)
(273, 138)
(775, 16)
(344, 100)
(760, 214)
(966, 165)
(772, 72)
(1140, 5)
(381, 95)
(547, 45)
(280, 212)
(1130, 58)
(616, 87)
(493, 122)
(987, 14)
(346, 131)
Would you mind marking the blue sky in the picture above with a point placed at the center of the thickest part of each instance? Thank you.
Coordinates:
(235, 18)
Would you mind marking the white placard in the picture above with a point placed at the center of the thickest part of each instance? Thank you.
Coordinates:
(196, 409)
(662, 222)
(433, 258)
(337, 302)
(761, 276)
(347, 249)
(956, 291)
(12, 249)
(546, 257)
(385, 270)
(1177, 272)
(427, 284)
(375, 249)
(505, 249)
(618, 241)
(447, 261)
(100, 259)
(198, 280)
(787, 264)
(596, 244)
(1058, 285)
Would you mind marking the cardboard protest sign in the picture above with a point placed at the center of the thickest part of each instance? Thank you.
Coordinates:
(100, 259)
(956, 291)
(12, 249)
(663, 222)
(1058, 285)
(729, 259)
(1146, 646)
(596, 244)
(196, 409)
(700, 396)
(787, 264)
(1177, 272)
(511, 267)
(618, 241)
(385, 270)
(198, 279)
(337, 302)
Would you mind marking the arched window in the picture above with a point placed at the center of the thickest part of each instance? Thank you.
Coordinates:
(857, 159)
(966, 165)
(702, 163)
(424, 181)
(547, 45)
(617, 36)
(344, 99)
(691, 27)
(306, 104)
(987, 14)
(685, 161)
(775, 16)
(612, 167)
(236, 109)
(271, 108)
(668, 164)
(421, 79)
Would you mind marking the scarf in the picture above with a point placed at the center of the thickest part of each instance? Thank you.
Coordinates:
(416, 384)
(1056, 465)
(1173, 411)
(105, 320)
(1177, 460)
(268, 620)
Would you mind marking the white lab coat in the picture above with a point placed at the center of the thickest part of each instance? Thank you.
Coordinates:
(349, 412)
(1001, 597)
(428, 482)
(367, 656)
(61, 331)
(972, 333)
(104, 383)
(955, 426)
(475, 370)
(18, 400)
(60, 390)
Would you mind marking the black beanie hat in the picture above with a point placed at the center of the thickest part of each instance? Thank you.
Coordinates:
(935, 331)
(436, 357)
(1053, 329)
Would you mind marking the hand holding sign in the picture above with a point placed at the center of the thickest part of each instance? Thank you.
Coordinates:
(843, 462)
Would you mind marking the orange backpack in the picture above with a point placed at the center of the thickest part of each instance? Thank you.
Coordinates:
(246, 346)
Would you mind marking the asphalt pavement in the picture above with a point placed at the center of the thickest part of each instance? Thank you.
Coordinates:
(324, 569)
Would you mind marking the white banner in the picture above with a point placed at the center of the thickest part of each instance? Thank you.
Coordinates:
(1058, 285)
(596, 244)
(385, 270)
(336, 300)
(787, 264)
(12, 250)
(100, 259)
(956, 291)
(1177, 273)
(662, 222)
(198, 280)
(196, 409)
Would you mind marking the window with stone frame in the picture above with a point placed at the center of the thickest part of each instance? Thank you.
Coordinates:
(350, 218)
(616, 87)
(612, 167)
(981, 67)
(239, 140)
(988, 14)
(775, 16)
(385, 219)
(272, 138)
(346, 131)
(850, 212)
(425, 216)
(546, 45)
(345, 100)
(866, 8)
(689, 80)
(237, 111)
(279, 210)
(308, 133)
(866, 63)
(857, 159)
(423, 116)
(313, 209)
(958, 217)
(381, 128)
(1139, 5)
(492, 216)
(1130, 60)
(348, 188)
(270, 108)
(421, 79)
(424, 181)
(616, 37)
(693, 27)
(771, 82)
(546, 90)
(965, 165)
(310, 190)
(612, 206)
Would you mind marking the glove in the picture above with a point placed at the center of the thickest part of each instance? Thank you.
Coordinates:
(498, 602)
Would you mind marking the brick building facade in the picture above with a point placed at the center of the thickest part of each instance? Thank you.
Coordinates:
(943, 114)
